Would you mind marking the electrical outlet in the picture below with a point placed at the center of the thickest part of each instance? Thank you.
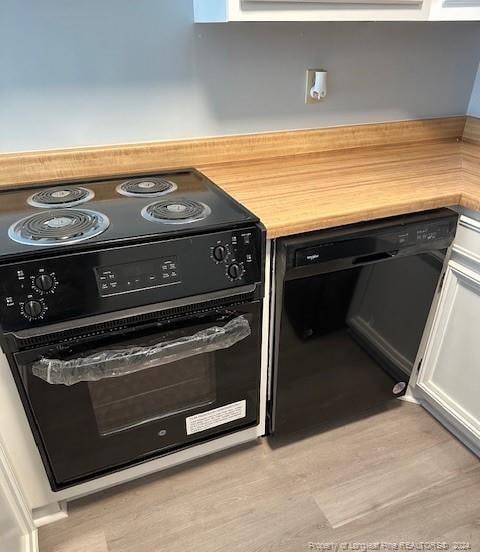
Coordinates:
(310, 83)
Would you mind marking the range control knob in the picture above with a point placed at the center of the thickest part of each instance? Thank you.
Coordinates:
(219, 253)
(235, 271)
(32, 309)
(44, 282)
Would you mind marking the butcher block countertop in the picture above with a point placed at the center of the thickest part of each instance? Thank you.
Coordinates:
(310, 192)
(298, 181)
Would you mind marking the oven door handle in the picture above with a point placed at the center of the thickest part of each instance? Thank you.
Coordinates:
(121, 362)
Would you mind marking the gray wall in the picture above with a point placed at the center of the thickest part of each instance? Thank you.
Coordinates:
(111, 71)
(474, 105)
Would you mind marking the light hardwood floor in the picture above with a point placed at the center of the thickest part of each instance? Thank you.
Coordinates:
(392, 477)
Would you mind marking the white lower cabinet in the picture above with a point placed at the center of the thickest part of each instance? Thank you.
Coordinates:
(449, 376)
(17, 531)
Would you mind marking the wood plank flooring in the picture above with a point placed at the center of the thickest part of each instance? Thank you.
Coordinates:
(394, 476)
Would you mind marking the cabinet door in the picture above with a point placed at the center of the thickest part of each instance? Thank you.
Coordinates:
(455, 10)
(17, 531)
(450, 372)
(208, 11)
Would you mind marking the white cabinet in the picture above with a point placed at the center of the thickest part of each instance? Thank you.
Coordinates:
(208, 11)
(17, 531)
(449, 376)
(455, 10)
(211, 11)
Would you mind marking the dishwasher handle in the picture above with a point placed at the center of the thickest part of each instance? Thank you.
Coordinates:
(374, 257)
(356, 250)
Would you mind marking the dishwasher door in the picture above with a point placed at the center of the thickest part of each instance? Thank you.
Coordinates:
(351, 307)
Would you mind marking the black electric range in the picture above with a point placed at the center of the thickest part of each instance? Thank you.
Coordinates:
(130, 314)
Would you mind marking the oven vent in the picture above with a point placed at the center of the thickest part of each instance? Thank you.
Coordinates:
(123, 324)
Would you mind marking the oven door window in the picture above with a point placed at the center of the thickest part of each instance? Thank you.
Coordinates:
(123, 403)
(112, 399)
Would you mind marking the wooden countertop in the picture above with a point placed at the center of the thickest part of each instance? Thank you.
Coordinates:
(302, 180)
(309, 192)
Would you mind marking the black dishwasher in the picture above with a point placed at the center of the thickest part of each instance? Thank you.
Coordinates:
(351, 307)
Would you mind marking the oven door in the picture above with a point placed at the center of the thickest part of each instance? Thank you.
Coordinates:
(114, 397)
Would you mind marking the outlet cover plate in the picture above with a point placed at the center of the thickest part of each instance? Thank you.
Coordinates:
(309, 82)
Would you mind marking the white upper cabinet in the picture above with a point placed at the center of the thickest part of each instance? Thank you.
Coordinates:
(210, 11)
(310, 10)
(455, 10)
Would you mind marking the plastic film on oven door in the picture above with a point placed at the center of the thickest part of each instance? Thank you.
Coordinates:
(123, 361)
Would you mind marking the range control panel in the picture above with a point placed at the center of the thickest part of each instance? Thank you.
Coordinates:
(64, 287)
(130, 277)
(234, 255)
(34, 289)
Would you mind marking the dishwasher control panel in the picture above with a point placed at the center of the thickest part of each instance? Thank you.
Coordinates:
(373, 241)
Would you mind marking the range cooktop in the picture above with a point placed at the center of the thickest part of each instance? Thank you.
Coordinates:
(87, 214)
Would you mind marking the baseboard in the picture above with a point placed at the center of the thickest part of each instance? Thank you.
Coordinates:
(31, 542)
(49, 514)
(410, 399)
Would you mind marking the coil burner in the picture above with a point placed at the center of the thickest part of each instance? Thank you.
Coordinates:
(61, 196)
(146, 187)
(58, 227)
(176, 211)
